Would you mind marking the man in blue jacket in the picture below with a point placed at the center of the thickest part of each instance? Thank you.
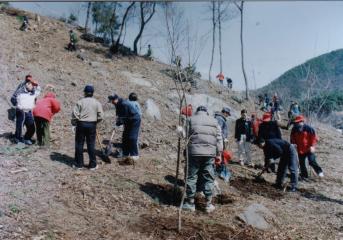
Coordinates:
(128, 116)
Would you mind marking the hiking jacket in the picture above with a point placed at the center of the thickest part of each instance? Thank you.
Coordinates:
(205, 137)
(125, 111)
(269, 130)
(276, 148)
(304, 138)
(221, 119)
(256, 126)
(23, 99)
(87, 109)
(243, 127)
(136, 105)
(47, 107)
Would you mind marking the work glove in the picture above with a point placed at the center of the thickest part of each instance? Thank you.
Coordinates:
(73, 129)
(312, 149)
(180, 132)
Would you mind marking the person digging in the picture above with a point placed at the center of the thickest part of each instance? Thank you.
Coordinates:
(278, 148)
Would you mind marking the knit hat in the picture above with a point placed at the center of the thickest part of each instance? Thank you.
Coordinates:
(266, 117)
(113, 97)
(89, 89)
(299, 119)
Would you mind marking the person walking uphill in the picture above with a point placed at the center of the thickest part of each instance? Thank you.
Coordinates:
(278, 148)
(205, 143)
(24, 99)
(127, 115)
(86, 114)
(243, 136)
(45, 109)
(304, 136)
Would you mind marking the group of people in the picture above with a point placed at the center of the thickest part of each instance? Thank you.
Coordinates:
(221, 79)
(208, 135)
(34, 114)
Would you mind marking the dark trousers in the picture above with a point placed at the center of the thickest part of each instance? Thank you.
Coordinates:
(130, 137)
(85, 131)
(42, 131)
(24, 118)
(288, 160)
(311, 161)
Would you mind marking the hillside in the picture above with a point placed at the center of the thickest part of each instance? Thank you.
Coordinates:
(42, 197)
(322, 73)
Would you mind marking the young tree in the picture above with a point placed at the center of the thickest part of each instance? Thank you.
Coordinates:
(241, 10)
(72, 18)
(147, 11)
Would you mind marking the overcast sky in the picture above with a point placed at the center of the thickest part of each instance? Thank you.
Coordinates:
(278, 35)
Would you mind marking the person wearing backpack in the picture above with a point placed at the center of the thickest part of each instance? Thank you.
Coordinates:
(43, 113)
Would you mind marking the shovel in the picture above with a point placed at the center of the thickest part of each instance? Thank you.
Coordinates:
(258, 177)
(103, 151)
(108, 149)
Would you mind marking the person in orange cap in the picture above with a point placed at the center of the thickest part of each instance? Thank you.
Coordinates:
(220, 77)
(23, 99)
(305, 138)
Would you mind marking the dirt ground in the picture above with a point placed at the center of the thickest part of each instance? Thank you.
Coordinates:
(43, 197)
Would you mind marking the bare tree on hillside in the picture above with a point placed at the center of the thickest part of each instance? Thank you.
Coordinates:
(87, 16)
(115, 47)
(214, 27)
(147, 11)
(241, 10)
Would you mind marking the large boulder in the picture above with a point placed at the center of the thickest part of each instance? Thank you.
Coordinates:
(257, 216)
(152, 110)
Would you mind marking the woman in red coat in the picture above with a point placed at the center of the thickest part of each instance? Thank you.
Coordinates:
(45, 109)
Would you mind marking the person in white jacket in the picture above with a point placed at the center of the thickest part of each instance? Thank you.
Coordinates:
(24, 99)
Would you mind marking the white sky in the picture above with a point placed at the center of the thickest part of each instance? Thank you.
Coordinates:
(278, 35)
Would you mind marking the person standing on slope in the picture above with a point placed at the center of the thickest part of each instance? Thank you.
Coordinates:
(305, 138)
(205, 143)
(24, 99)
(86, 114)
(45, 109)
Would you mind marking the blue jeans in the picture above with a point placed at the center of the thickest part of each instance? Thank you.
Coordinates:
(311, 161)
(85, 131)
(24, 118)
(288, 160)
(201, 167)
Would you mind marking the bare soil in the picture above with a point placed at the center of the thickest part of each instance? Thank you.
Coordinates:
(43, 197)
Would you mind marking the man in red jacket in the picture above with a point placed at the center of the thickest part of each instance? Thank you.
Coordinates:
(45, 109)
(305, 138)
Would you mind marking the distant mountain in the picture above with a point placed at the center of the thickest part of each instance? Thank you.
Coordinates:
(320, 74)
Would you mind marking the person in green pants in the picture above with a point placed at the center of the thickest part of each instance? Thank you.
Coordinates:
(43, 112)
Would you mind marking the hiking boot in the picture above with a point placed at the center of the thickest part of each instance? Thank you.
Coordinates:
(189, 205)
(28, 142)
(209, 208)
(77, 167)
(321, 174)
(292, 189)
(93, 168)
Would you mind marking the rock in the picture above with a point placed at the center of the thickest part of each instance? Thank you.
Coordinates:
(145, 144)
(81, 56)
(256, 215)
(152, 110)
(95, 64)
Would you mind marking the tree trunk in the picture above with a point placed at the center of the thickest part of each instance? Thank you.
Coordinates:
(87, 16)
(213, 37)
(242, 53)
(220, 36)
(115, 48)
(142, 24)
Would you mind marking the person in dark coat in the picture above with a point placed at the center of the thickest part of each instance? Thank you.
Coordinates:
(128, 116)
(278, 148)
(244, 136)
(269, 130)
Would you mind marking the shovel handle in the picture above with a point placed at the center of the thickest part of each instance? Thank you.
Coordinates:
(98, 138)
